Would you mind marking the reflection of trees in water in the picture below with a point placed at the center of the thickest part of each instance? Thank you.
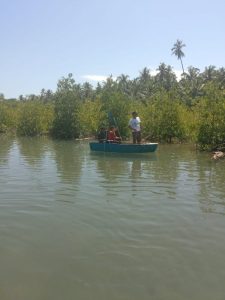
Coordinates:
(166, 169)
(5, 147)
(136, 175)
(211, 185)
(172, 161)
(69, 156)
(110, 166)
(178, 170)
(122, 173)
(205, 177)
(33, 149)
(66, 154)
(136, 169)
(182, 165)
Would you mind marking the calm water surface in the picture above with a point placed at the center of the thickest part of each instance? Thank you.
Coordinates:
(78, 225)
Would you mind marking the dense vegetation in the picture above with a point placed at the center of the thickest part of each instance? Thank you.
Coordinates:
(191, 109)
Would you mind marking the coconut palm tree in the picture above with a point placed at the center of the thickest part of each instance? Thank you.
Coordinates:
(209, 73)
(177, 51)
(221, 77)
(145, 75)
(2, 97)
(87, 91)
(123, 83)
(165, 76)
(190, 86)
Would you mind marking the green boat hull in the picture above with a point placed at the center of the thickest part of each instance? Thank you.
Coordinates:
(123, 148)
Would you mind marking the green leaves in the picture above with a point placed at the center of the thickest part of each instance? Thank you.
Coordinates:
(162, 119)
(211, 124)
(34, 118)
(192, 109)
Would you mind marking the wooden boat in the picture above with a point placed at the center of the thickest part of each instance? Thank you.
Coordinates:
(123, 148)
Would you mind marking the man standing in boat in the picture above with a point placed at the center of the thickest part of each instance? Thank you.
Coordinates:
(135, 126)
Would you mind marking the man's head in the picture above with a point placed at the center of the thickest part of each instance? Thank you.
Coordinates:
(134, 114)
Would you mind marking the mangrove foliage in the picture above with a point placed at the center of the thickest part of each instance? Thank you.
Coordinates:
(191, 109)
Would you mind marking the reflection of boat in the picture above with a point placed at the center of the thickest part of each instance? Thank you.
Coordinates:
(123, 148)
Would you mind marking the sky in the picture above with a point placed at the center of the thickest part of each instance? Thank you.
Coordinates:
(45, 40)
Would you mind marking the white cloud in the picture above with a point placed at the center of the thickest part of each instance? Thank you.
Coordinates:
(100, 78)
(97, 78)
(178, 73)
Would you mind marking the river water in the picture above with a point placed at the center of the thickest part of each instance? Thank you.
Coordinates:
(81, 225)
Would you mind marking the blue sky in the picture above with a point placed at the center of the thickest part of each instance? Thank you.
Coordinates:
(44, 40)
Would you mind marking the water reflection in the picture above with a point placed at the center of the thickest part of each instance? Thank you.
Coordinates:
(211, 185)
(6, 144)
(113, 166)
(66, 155)
(192, 175)
(111, 215)
(33, 149)
(136, 169)
(168, 163)
(174, 171)
(69, 157)
(109, 167)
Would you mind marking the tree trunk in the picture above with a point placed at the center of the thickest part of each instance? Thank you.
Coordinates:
(182, 65)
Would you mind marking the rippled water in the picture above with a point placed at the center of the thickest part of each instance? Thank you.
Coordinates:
(79, 225)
